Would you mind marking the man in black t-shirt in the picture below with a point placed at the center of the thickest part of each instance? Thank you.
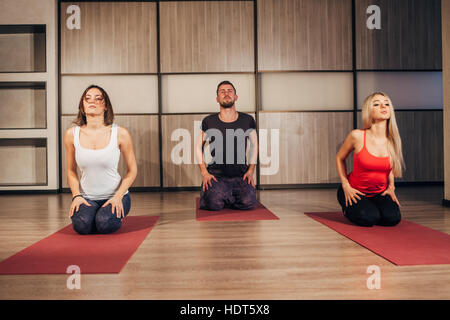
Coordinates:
(228, 178)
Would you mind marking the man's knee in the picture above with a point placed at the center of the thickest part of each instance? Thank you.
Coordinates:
(248, 202)
(213, 201)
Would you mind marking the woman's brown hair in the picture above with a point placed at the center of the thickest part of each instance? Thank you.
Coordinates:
(108, 115)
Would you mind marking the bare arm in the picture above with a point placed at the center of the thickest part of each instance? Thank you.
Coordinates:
(342, 155)
(351, 194)
(391, 180)
(126, 148)
(253, 157)
(206, 176)
(72, 176)
(390, 190)
(199, 143)
(253, 148)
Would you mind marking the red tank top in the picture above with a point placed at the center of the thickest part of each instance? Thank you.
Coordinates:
(370, 173)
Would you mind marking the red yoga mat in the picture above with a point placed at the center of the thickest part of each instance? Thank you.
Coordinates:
(405, 244)
(96, 253)
(258, 213)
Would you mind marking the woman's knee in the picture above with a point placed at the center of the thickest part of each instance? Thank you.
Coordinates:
(82, 224)
(106, 221)
(391, 219)
(390, 211)
(363, 217)
(83, 219)
(341, 197)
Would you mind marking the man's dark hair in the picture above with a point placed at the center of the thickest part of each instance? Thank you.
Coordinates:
(225, 82)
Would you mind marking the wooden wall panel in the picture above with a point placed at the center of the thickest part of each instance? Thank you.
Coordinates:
(144, 133)
(197, 92)
(295, 91)
(308, 145)
(128, 93)
(207, 36)
(422, 140)
(22, 52)
(181, 175)
(409, 38)
(23, 162)
(115, 37)
(407, 90)
(305, 34)
(22, 107)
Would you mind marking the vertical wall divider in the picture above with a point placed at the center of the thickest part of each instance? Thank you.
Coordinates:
(256, 79)
(355, 86)
(58, 81)
(158, 63)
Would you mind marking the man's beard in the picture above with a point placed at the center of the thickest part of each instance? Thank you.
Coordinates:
(227, 105)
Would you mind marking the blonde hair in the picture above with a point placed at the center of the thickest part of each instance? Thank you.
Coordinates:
(392, 134)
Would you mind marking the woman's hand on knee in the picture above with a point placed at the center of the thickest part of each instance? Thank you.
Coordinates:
(116, 206)
(76, 203)
(351, 194)
(391, 192)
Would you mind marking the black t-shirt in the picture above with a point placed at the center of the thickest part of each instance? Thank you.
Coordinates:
(228, 144)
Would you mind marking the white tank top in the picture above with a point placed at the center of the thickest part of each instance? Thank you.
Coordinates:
(99, 176)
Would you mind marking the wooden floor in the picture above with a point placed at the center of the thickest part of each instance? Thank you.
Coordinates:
(292, 258)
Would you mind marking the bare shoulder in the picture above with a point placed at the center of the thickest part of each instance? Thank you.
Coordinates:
(69, 131)
(68, 136)
(123, 134)
(357, 135)
(357, 139)
(354, 139)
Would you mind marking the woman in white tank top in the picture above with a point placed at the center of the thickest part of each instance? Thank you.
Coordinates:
(100, 199)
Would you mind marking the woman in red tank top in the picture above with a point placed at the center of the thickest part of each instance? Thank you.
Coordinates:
(367, 194)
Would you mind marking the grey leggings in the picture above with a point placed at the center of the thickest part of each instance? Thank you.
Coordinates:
(95, 219)
(231, 192)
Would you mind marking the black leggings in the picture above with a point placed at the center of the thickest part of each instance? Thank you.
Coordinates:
(369, 211)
